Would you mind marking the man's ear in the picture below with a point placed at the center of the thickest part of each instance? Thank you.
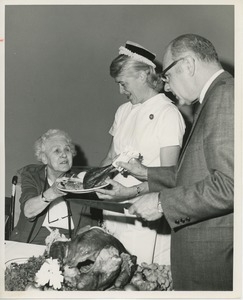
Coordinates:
(189, 63)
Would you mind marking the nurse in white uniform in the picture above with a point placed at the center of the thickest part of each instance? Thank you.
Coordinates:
(152, 125)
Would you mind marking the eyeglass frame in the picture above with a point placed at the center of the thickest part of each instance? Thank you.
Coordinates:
(163, 76)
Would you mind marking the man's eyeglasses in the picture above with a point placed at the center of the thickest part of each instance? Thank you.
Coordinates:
(165, 77)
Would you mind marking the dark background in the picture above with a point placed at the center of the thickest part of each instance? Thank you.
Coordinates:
(57, 61)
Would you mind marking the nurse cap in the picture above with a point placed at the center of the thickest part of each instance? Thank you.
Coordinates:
(138, 52)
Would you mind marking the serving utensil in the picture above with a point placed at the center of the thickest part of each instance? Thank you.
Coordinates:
(106, 205)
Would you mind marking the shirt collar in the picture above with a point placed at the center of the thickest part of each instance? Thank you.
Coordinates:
(207, 85)
(148, 101)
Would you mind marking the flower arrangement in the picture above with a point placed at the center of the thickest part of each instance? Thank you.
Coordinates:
(40, 273)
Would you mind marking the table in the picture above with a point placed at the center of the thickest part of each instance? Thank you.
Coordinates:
(15, 250)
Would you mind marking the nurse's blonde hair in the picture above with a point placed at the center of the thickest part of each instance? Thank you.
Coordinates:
(126, 65)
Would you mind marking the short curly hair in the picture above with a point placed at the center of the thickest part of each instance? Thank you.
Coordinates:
(39, 146)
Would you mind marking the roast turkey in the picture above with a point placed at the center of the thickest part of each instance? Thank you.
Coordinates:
(96, 176)
(94, 260)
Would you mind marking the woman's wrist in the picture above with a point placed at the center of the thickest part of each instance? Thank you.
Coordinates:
(44, 198)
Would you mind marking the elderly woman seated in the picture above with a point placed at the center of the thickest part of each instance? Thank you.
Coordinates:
(43, 207)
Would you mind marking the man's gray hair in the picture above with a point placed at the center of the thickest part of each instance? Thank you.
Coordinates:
(197, 44)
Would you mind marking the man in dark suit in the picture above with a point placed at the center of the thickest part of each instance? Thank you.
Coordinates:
(196, 196)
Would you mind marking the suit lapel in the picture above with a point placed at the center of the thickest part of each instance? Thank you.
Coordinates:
(197, 114)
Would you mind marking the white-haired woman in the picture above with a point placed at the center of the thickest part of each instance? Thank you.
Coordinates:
(152, 125)
(43, 207)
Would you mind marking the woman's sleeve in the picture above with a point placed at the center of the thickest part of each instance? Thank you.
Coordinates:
(171, 128)
(117, 120)
(29, 187)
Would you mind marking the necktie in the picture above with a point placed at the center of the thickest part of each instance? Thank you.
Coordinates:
(195, 109)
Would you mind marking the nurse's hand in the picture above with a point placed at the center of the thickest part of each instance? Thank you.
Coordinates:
(135, 168)
(118, 192)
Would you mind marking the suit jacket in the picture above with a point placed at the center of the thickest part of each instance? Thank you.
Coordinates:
(32, 184)
(197, 196)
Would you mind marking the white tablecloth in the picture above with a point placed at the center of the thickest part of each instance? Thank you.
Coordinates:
(14, 250)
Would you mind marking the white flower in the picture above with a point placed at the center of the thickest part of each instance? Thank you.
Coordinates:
(49, 273)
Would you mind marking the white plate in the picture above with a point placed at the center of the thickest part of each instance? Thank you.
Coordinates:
(78, 191)
(18, 261)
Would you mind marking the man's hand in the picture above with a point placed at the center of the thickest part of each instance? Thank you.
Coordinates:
(146, 207)
(118, 192)
(135, 168)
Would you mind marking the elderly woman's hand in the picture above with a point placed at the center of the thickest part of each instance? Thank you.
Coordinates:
(118, 192)
(53, 192)
(135, 168)
(146, 207)
(34, 206)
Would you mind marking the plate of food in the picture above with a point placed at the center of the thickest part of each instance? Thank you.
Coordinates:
(95, 178)
(75, 185)
(18, 261)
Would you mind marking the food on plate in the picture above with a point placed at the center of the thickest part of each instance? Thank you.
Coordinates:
(94, 260)
(71, 184)
(96, 177)
(152, 277)
(76, 183)
(55, 236)
(19, 276)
